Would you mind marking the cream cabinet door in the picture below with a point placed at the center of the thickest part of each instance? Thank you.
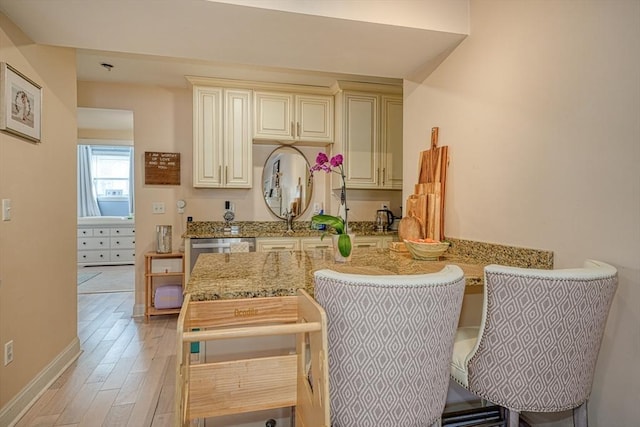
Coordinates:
(222, 155)
(314, 118)
(290, 118)
(273, 116)
(360, 140)
(367, 242)
(310, 243)
(391, 143)
(237, 147)
(207, 137)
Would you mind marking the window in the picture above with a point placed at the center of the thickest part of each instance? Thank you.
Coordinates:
(105, 180)
(111, 167)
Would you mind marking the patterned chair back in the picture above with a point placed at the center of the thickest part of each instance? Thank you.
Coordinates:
(540, 335)
(390, 341)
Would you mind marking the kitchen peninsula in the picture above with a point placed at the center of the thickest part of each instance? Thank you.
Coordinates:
(240, 297)
(265, 274)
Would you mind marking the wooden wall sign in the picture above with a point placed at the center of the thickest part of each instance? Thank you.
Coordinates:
(161, 168)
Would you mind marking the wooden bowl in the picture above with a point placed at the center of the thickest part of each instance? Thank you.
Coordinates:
(426, 251)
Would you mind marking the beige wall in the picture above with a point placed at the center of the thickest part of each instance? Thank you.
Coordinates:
(540, 108)
(38, 245)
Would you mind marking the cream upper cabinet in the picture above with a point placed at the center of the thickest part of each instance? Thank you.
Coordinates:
(360, 141)
(370, 137)
(222, 146)
(391, 142)
(293, 117)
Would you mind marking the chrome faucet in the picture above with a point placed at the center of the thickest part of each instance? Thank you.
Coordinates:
(289, 215)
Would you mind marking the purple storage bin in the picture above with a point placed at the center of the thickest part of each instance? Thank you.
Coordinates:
(168, 296)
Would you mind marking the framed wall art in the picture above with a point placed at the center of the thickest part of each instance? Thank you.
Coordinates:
(20, 104)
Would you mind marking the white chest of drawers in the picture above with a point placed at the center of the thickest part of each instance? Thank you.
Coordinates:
(106, 243)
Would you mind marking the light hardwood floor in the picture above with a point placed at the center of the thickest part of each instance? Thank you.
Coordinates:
(125, 375)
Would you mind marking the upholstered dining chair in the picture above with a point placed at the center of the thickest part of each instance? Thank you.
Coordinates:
(537, 345)
(390, 341)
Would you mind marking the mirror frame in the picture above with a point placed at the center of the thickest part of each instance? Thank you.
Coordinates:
(272, 177)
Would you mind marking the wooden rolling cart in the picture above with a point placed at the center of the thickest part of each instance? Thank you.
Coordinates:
(247, 384)
(159, 266)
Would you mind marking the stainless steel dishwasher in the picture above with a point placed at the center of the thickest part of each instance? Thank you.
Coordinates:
(217, 245)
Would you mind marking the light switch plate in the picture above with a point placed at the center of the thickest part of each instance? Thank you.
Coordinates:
(158, 207)
(6, 209)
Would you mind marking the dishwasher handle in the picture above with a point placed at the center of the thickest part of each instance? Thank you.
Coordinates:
(210, 245)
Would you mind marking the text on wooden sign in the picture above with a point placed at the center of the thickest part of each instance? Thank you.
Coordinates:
(161, 168)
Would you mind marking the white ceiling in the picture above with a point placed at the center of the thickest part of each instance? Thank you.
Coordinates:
(161, 41)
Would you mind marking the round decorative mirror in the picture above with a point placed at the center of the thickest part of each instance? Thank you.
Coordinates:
(285, 182)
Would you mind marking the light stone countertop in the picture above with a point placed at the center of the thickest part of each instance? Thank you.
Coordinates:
(266, 274)
(215, 229)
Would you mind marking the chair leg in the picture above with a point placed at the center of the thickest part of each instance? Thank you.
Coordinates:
(580, 416)
(514, 418)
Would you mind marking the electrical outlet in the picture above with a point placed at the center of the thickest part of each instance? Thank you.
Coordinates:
(8, 352)
(157, 207)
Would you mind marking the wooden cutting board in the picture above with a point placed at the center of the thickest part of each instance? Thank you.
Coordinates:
(410, 228)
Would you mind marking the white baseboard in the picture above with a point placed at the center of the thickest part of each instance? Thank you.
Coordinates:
(20, 404)
(138, 310)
